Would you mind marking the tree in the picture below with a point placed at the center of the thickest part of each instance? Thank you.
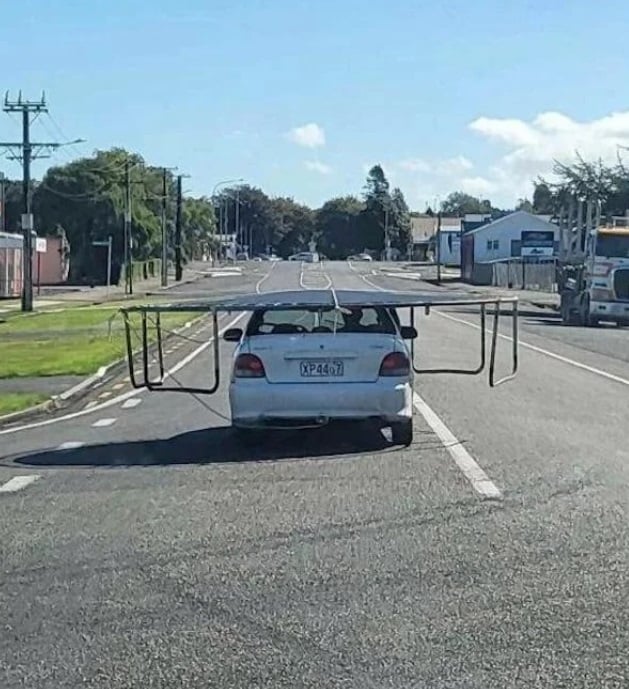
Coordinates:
(400, 222)
(458, 203)
(337, 231)
(524, 205)
(543, 200)
(378, 206)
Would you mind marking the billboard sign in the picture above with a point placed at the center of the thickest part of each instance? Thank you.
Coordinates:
(537, 243)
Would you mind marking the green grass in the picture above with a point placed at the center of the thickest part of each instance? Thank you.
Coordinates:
(74, 341)
(17, 401)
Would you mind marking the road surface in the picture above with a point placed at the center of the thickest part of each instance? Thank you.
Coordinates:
(142, 547)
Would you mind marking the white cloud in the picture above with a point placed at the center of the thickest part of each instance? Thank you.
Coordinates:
(309, 136)
(518, 151)
(317, 166)
(414, 165)
(532, 147)
(453, 166)
(477, 186)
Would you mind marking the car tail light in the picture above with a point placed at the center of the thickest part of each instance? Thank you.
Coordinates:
(249, 366)
(395, 364)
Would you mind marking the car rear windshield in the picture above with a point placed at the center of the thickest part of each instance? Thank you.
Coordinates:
(292, 321)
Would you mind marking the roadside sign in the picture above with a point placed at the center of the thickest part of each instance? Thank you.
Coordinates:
(27, 221)
(41, 245)
(537, 243)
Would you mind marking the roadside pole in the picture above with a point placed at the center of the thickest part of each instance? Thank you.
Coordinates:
(439, 248)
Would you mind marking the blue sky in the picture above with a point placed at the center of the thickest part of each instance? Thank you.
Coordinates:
(454, 95)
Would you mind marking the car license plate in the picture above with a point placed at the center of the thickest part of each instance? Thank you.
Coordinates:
(321, 369)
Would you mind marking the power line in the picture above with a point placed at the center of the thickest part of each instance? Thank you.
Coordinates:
(26, 151)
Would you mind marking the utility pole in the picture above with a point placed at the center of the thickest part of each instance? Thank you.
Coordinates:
(439, 248)
(237, 218)
(3, 204)
(128, 241)
(26, 151)
(178, 267)
(165, 171)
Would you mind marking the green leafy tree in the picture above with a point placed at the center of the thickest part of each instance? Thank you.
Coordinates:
(458, 203)
(524, 205)
(337, 228)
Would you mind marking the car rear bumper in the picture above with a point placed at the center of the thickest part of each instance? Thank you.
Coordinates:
(256, 402)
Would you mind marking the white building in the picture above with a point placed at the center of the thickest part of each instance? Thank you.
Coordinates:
(501, 240)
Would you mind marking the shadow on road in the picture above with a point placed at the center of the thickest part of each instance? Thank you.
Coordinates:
(218, 445)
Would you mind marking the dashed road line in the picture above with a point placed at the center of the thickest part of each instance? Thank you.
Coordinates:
(70, 445)
(130, 404)
(481, 483)
(117, 386)
(90, 404)
(123, 396)
(18, 483)
(105, 395)
(103, 423)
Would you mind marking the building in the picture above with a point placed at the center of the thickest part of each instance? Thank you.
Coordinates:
(424, 231)
(10, 265)
(51, 262)
(513, 238)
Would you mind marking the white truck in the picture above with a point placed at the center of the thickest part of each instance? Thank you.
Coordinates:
(593, 270)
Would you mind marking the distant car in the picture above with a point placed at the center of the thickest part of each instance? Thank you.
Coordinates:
(360, 257)
(307, 367)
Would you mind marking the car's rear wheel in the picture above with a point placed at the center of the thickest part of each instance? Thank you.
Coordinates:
(402, 433)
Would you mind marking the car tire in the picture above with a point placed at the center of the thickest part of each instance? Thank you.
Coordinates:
(402, 433)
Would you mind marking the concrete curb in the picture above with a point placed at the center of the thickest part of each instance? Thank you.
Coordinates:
(77, 391)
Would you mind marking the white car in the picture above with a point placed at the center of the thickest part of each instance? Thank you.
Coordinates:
(306, 366)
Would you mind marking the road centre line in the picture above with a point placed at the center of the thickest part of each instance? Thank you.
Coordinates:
(265, 277)
(18, 483)
(126, 395)
(525, 345)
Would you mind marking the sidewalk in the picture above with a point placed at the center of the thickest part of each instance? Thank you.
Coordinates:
(68, 295)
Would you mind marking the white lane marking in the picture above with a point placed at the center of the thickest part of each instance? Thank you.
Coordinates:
(481, 483)
(18, 483)
(117, 386)
(125, 395)
(265, 277)
(133, 402)
(526, 345)
(322, 274)
(91, 404)
(105, 395)
(70, 445)
(103, 423)
(545, 352)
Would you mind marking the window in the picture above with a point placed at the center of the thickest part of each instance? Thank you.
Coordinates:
(293, 321)
(489, 245)
(496, 244)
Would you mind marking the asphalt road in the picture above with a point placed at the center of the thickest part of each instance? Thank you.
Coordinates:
(152, 551)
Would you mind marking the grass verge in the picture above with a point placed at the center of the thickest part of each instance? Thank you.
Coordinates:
(74, 341)
(17, 401)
